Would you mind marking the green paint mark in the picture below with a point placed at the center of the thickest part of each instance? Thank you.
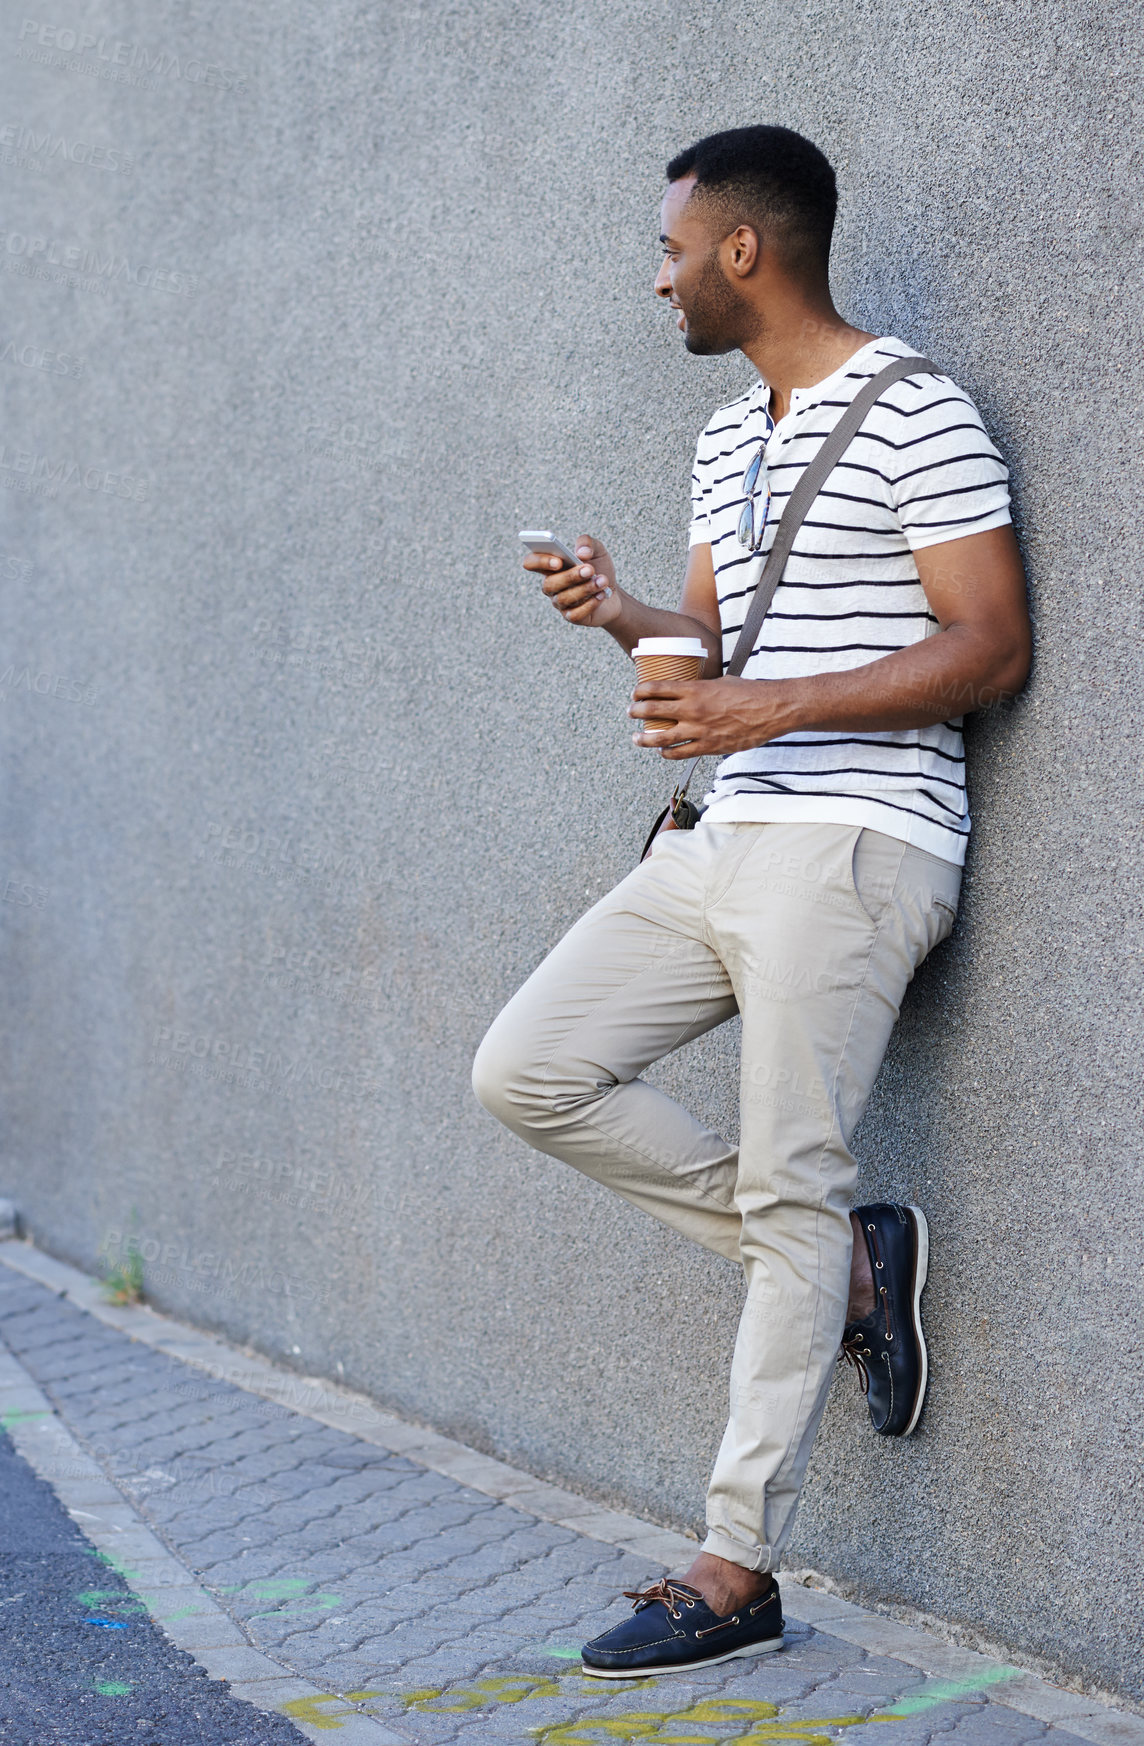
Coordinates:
(289, 1591)
(114, 1687)
(564, 1653)
(109, 1600)
(272, 1588)
(313, 1603)
(17, 1415)
(152, 1603)
(307, 1709)
(126, 1571)
(945, 1691)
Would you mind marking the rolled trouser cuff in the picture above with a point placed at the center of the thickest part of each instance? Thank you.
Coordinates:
(749, 1557)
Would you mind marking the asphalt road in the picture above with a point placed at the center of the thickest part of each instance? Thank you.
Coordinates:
(81, 1663)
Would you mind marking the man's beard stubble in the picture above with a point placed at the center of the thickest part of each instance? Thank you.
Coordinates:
(719, 318)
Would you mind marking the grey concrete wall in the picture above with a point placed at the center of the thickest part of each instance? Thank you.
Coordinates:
(301, 779)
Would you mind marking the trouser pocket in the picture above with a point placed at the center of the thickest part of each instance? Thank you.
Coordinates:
(873, 865)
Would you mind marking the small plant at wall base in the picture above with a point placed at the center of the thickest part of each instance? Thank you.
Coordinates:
(123, 1276)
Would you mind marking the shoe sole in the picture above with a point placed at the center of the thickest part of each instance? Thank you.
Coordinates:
(921, 1271)
(767, 1647)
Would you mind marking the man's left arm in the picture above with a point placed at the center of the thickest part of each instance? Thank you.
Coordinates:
(976, 590)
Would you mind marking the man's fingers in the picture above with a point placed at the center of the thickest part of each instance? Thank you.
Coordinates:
(546, 565)
(574, 598)
(582, 613)
(649, 698)
(555, 571)
(670, 742)
(571, 576)
(570, 590)
(652, 688)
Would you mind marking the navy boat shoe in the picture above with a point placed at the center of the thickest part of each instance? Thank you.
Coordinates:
(888, 1348)
(673, 1630)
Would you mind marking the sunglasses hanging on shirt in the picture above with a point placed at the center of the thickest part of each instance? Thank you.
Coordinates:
(757, 491)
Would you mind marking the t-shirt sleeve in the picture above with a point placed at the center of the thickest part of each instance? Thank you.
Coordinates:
(949, 480)
(699, 533)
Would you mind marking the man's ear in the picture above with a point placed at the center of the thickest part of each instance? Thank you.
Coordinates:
(742, 250)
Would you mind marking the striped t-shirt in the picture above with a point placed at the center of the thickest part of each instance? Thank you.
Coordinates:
(920, 471)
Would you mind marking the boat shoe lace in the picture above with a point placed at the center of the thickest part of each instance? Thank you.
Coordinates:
(854, 1350)
(673, 1595)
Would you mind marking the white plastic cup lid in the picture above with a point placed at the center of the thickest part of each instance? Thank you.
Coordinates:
(670, 646)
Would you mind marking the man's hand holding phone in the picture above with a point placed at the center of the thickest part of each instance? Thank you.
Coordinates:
(584, 591)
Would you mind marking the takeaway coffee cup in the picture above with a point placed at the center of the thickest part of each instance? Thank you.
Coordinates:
(668, 658)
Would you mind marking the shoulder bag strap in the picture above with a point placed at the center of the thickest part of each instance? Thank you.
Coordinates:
(798, 505)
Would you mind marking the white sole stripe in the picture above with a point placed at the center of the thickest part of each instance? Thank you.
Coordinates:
(921, 1273)
(767, 1647)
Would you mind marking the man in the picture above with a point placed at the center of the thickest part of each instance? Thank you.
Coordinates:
(825, 867)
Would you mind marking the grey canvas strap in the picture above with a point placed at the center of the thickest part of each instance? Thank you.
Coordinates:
(797, 508)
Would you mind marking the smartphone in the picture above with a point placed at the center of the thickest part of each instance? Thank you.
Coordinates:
(540, 539)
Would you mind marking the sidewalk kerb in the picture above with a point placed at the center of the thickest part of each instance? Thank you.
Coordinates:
(86, 1492)
(168, 1600)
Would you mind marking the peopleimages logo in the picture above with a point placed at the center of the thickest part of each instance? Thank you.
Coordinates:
(117, 59)
(43, 684)
(205, 1055)
(35, 255)
(40, 358)
(42, 476)
(28, 143)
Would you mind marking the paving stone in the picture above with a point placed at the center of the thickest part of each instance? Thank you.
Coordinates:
(856, 1687)
(910, 1731)
(495, 1645)
(443, 1667)
(990, 1724)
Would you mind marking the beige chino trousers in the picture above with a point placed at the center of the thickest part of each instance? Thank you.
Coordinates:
(811, 932)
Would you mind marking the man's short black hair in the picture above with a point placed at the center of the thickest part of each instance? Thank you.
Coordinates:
(772, 179)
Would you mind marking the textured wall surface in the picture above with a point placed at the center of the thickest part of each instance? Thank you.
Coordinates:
(312, 308)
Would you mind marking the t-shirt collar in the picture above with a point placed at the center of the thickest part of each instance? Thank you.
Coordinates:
(801, 397)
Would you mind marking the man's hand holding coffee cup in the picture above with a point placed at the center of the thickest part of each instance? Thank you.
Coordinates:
(712, 716)
(584, 593)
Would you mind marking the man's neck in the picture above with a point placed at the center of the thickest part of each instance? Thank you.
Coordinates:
(804, 346)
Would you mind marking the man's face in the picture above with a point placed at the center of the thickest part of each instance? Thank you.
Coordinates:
(714, 315)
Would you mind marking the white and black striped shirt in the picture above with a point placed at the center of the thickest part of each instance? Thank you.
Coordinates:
(920, 471)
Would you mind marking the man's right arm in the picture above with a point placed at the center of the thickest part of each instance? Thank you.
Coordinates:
(589, 594)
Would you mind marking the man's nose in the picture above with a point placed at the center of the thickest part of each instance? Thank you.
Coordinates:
(663, 282)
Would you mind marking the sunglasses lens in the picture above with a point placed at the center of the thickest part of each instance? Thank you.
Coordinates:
(751, 476)
(747, 526)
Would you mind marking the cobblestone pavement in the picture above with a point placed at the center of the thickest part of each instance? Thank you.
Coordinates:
(446, 1614)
